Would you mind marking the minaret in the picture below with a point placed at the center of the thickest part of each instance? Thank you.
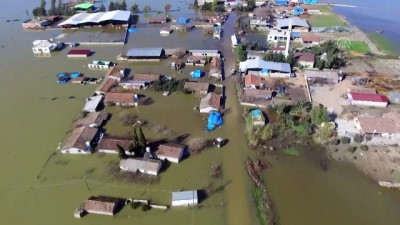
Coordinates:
(288, 32)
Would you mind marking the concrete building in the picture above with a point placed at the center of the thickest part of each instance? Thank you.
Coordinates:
(171, 151)
(275, 36)
(45, 46)
(146, 166)
(145, 54)
(103, 65)
(105, 86)
(367, 99)
(126, 99)
(384, 127)
(117, 72)
(133, 84)
(110, 144)
(80, 141)
(185, 198)
(93, 119)
(305, 59)
(260, 25)
(252, 81)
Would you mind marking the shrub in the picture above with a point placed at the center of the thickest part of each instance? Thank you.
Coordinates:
(345, 140)
(364, 147)
(352, 149)
(358, 138)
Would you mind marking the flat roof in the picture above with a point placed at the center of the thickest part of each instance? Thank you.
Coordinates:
(92, 103)
(203, 51)
(98, 17)
(79, 52)
(295, 22)
(184, 195)
(149, 52)
(261, 64)
(85, 5)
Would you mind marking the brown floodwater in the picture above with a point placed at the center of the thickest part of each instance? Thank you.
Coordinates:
(39, 187)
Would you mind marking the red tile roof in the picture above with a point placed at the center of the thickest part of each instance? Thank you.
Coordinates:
(251, 79)
(79, 52)
(305, 56)
(310, 38)
(368, 97)
(116, 97)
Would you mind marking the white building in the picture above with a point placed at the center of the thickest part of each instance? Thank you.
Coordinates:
(260, 2)
(45, 46)
(367, 99)
(261, 25)
(185, 198)
(146, 166)
(276, 36)
(92, 103)
(209, 53)
(296, 24)
(79, 141)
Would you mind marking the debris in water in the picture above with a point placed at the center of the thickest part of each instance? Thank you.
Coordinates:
(55, 98)
(8, 21)
(324, 164)
(71, 97)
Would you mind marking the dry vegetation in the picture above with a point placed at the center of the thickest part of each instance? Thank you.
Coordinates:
(162, 130)
(196, 145)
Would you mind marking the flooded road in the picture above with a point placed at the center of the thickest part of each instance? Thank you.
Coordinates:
(38, 187)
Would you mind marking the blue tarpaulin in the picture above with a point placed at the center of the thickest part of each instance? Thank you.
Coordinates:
(281, 2)
(256, 112)
(75, 75)
(264, 70)
(60, 75)
(311, 2)
(132, 30)
(197, 74)
(214, 120)
(298, 11)
(182, 20)
(295, 34)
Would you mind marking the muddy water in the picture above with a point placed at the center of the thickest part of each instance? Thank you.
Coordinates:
(36, 114)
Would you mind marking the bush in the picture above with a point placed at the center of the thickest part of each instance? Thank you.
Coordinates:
(196, 145)
(352, 149)
(345, 140)
(364, 147)
(358, 138)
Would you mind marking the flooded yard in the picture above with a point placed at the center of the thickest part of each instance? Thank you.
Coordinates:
(40, 186)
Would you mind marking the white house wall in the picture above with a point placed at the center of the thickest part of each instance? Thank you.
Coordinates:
(369, 103)
(186, 203)
(75, 151)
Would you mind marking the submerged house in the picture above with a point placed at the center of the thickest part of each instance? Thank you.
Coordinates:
(94, 119)
(197, 87)
(196, 60)
(146, 166)
(210, 102)
(80, 141)
(171, 151)
(101, 205)
(117, 72)
(215, 68)
(185, 198)
(105, 86)
(209, 53)
(92, 103)
(45, 46)
(148, 78)
(110, 144)
(121, 99)
(145, 54)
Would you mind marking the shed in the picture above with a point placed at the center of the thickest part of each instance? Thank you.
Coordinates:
(127, 99)
(145, 53)
(185, 198)
(92, 103)
(110, 144)
(105, 86)
(94, 119)
(101, 205)
(201, 88)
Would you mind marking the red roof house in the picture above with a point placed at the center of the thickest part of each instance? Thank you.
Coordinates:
(79, 53)
(367, 99)
(252, 81)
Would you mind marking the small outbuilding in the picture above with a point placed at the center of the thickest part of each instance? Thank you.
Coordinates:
(126, 99)
(197, 87)
(92, 103)
(185, 198)
(145, 54)
(171, 151)
(94, 119)
(78, 53)
(367, 99)
(146, 166)
(110, 144)
(210, 102)
(101, 205)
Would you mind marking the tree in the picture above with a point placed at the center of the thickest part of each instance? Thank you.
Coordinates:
(102, 8)
(111, 6)
(214, 4)
(137, 149)
(59, 7)
(324, 134)
(135, 8)
(141, 139)
(146, 8)
(53, 10)
(196, 4)
(121, 152)
(240, 51)
(167, 7)
(251, 4)
(319, 115)
(123, 5)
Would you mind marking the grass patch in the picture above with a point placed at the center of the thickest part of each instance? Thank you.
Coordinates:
(382, 43)
(301, 130)
(326, 21)
(358, 47)
(292, 151)
(259, 200)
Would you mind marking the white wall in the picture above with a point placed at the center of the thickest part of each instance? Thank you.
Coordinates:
(189, 202)
(207, 110)
(368, 103)
(75, 151)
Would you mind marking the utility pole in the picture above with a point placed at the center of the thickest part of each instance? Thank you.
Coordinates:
(288, 35)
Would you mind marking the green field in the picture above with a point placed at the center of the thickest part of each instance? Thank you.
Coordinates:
(358, 47)
(326, 20)
(381, 43)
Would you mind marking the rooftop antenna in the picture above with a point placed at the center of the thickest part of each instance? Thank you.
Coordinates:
(288, 33)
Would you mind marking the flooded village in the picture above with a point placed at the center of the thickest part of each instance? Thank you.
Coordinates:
(223, 112)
